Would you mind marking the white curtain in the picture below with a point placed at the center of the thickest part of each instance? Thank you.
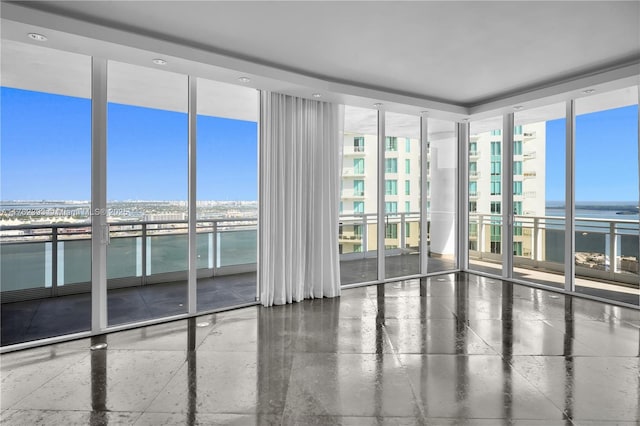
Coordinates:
(300, 193)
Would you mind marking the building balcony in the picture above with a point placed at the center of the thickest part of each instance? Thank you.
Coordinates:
(352, 194)
(354, 151)
(351, 172)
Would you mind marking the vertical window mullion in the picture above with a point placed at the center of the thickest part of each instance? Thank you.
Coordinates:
(99, 226)
(507, 195)
(191, 197)
(570, 211)
(381, 196)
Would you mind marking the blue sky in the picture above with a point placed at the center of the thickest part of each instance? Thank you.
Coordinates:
(606, 156)
(46, 153)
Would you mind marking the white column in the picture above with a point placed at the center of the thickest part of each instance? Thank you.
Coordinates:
(463, 196)
(381, 205)
(99, 227)
(443, 196)
(507, 195)
(424, 182)
(192, 280)
(570, 203)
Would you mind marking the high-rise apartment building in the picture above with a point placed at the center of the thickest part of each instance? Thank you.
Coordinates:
(359, 194)
(486, 178)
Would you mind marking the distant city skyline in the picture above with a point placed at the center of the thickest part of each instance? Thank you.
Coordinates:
(46, 153)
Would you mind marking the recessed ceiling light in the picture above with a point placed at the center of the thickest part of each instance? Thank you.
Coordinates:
(203, 324)
(37, 37)
(244, 79)
(159, 61)
(317, 95)
(588, 91)
(424, 112)
(377, 105)
(465, 119)
(518, 107)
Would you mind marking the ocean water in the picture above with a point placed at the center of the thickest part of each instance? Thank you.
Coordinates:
(598, 210)
(593, 237)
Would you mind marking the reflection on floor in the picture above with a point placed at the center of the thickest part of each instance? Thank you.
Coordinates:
(366, 269)
(449, 350)
(611, 291)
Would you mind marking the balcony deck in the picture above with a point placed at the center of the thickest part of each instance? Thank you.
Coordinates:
(55, 316)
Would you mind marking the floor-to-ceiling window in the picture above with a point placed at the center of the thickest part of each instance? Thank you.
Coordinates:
(442, 160)
(539, 164)
(485, 195)
(358, 228)
(147, 138)
(227, 198)
(402, 195)
(45, 189)
(606, 195)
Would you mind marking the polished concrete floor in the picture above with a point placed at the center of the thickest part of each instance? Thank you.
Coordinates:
(447, 350)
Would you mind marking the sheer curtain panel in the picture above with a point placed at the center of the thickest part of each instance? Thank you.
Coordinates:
(300, 193)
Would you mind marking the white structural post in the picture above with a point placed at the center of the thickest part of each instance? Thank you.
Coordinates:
(424, 182)
(444, 162)
(99, 226)
(507, 195)
(463, 197)
(570, 202)
(192, 280)
(381, 205)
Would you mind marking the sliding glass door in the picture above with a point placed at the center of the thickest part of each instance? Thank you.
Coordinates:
(402, 156)
(226, 194)
(45, 189)
(485, 196)
(441, 192)
(358, 228)
(146, 193)
(539, 173)
(606, 195)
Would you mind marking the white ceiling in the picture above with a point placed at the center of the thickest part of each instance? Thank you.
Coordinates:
(462, 53)
(456, 59)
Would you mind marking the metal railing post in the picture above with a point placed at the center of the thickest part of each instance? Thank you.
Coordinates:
(534, 240)
(481, 235)
(403, 237)
(365, 236)
(144, 254)
(214, 253)
(613, 250)
(54, 260)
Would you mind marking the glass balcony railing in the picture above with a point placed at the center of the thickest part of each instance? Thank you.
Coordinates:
(49, 256)
(605, 249)
(356, 230)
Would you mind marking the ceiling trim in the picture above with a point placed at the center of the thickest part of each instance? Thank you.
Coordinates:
(30, 16)
(274, 78)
